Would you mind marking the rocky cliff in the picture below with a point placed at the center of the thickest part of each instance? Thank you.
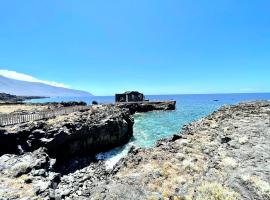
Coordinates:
(88, 132)
(36, 154)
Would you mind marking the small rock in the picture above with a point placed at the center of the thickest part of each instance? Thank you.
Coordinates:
(28, 180)
(175, 137)
(243, 140)
(21, 168)
(225, 140)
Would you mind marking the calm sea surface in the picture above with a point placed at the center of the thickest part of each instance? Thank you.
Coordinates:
(152, 126)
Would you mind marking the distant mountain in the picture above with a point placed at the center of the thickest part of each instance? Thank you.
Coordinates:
(25, 88)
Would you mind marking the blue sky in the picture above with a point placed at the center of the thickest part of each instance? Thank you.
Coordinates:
(155, 46)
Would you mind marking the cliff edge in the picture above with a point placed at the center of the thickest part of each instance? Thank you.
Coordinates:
(224, 156)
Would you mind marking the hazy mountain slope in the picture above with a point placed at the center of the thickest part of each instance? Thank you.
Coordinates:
(24, 88)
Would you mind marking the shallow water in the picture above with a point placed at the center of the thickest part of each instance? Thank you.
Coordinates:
(152, 126)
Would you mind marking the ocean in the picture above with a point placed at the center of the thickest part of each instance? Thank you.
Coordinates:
(152, 126)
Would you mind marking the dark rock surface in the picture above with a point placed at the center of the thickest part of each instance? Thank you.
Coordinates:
(8, 98)
(63, 104)
(88, 132)
(147, 106)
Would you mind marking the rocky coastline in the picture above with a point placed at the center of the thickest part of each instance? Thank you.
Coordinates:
(223, 156)
(11, 99)
(36, 154)
(146, 106)
(87, 132)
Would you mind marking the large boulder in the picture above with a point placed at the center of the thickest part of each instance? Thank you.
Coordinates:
(88, 132)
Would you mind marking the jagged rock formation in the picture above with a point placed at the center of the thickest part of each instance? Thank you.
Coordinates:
(27, 176)
(34, 153)
(98, 129)
(147, 106)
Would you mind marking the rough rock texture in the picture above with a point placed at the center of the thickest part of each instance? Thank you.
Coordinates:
(28, 176)
(224, 156)
(147, 106)
(88, 132)
(46, 151)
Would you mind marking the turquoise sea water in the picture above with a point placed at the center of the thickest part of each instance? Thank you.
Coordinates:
(152, 126)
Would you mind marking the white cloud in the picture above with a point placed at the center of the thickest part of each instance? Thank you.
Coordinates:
(25, 77)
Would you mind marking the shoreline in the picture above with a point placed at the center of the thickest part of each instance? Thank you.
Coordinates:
(206, 158)
(223, 155)
(6, 99)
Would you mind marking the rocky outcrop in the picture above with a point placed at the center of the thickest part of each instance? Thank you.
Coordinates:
(87, 132)
(147, 106)
(8, 98)
(37, 155)
(27, 176)
(224, 156)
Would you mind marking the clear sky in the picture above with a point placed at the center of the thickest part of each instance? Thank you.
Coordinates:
(154, 46)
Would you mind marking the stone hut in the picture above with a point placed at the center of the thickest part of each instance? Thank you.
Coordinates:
(133, 96)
